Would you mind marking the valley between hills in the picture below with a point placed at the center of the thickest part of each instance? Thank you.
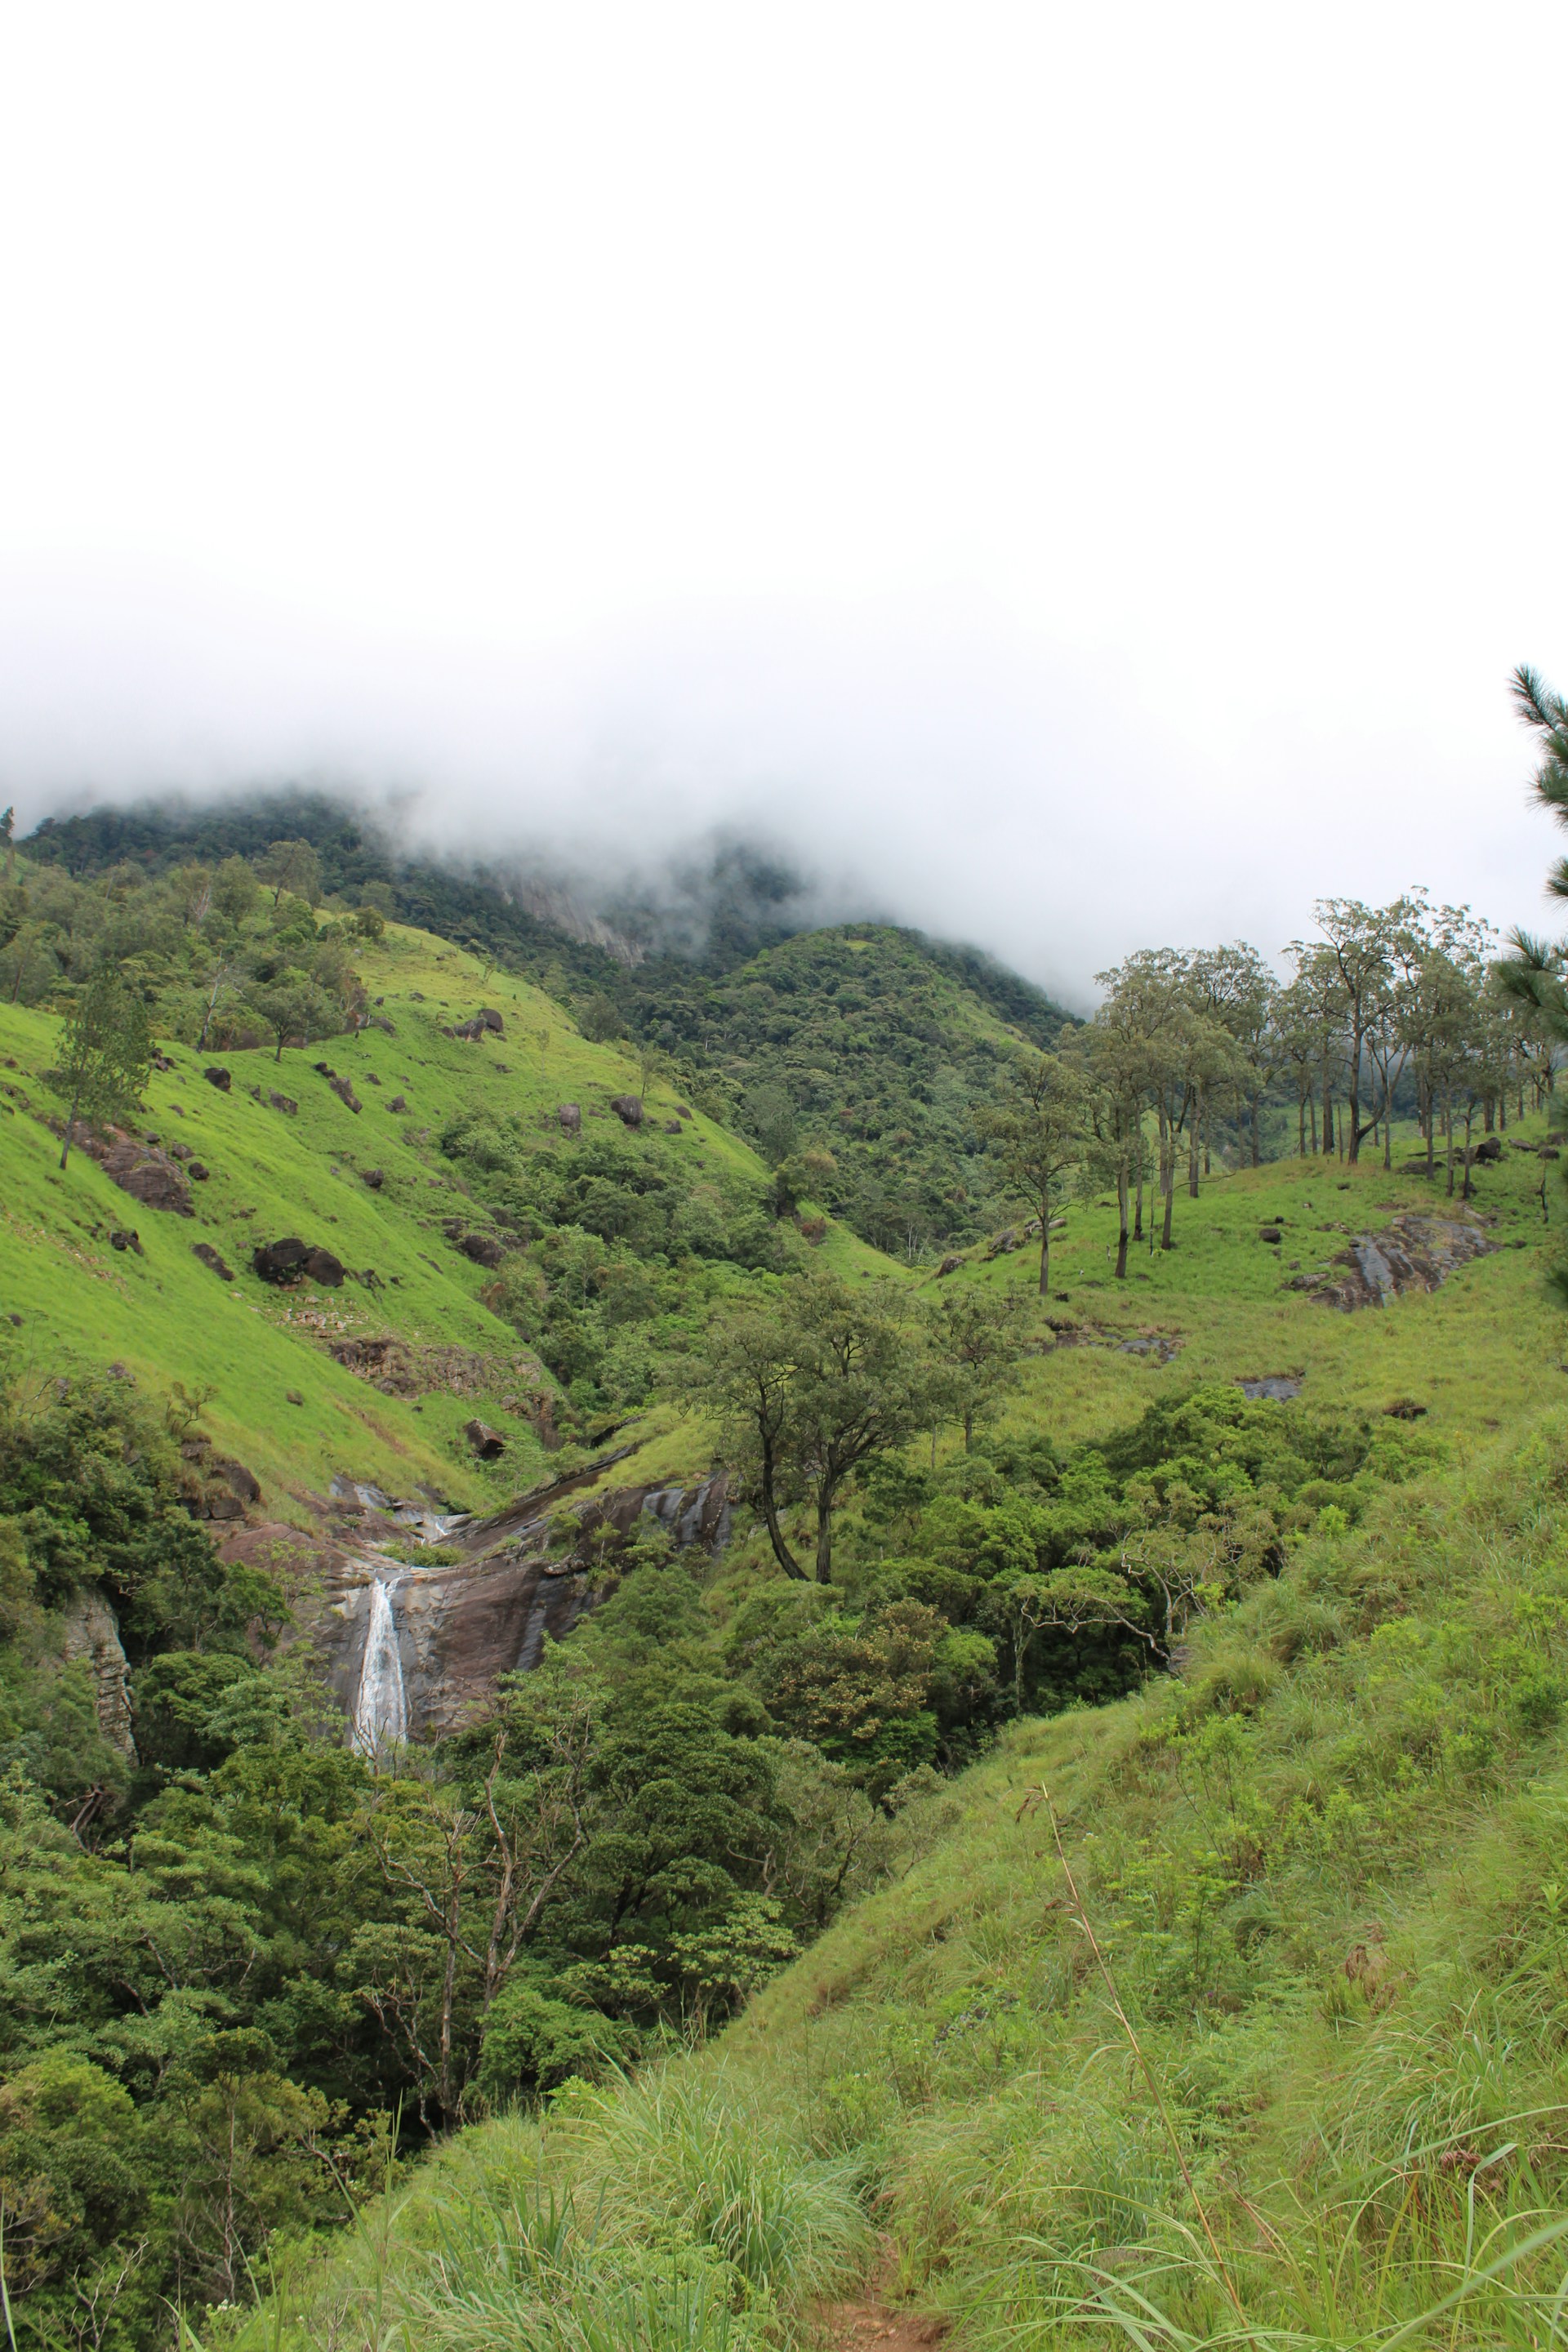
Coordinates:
(757, 1645)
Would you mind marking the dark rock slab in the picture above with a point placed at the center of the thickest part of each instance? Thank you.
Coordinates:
(628, 1109)
(220, 1078)
(210, 1256)
(482, 1248)
(1412, 1253)
(148, 1174)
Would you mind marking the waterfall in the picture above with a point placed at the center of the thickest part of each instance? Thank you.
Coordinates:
(381, 1705)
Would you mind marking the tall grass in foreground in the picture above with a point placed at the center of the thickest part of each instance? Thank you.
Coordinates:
(669, 2215)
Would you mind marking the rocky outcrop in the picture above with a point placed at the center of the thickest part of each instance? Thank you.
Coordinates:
(570, 1115)
(91, 1634)
(1411, 1252)
(141, 1169)
(628, 1109)
(292, 1260)
(486, 1022)
(460, 1625)
(221, 1078)
(482, 1249)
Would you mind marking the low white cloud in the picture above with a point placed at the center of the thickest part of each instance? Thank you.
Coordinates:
(1071, 479)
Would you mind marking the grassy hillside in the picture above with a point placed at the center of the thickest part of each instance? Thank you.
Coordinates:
(253, 1348)
(869, 1039)
(1231, 2014)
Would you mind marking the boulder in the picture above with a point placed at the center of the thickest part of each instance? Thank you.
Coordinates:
(571, 1118)
(149, 1176)
(487, 1442)
(345, 1093)
(126, 1238)
(673, 1127)
(491, 1019)
(220, 1078)
(285, 1103)
(242, 1481)
(482, 1248)
(209, 1256)
(374, 1177)
(324, 1267)
(1489, 1150)
(380, 1021)
(1270, 1233)
(948, 1265)
(181, 1151)
(280, 1261)
(198, 1173)
(628, 1109)
(398, 1102)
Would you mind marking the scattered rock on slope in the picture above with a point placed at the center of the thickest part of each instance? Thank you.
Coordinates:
(1410, 1253)
(292, 1260)
(628, 1109)
(148, 1174)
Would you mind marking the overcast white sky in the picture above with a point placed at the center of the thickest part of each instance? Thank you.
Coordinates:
(1087, 472)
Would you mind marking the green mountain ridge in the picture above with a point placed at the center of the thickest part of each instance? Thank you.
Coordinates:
(878, 1039)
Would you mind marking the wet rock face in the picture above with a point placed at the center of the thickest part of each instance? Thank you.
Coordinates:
(92, 1635)
(1410, 1253)
(459, 1627)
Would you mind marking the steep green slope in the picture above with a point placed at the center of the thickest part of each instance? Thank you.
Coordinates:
(869, 1042)
(273, 1173)
(1240, 2001)
(868, 1039)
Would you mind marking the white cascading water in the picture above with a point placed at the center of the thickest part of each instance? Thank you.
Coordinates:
(380, 1706)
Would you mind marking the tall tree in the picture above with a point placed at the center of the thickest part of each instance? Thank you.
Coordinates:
(1039, 1127)
(106, 1054)
(1370, 949)
(292, 866)
(980, 1331)
(812, 1386)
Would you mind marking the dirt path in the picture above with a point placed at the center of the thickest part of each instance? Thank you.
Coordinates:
(872, 2327)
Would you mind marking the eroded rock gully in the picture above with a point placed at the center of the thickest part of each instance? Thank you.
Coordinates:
(461, 1623)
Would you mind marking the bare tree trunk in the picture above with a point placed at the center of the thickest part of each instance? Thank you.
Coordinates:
(1193, 1148)
(1448, 1132)
(1122, 1222)
(826, 1494)
(782, 1552)
(1137, 1204)
(1466, 1190)
(1045, 1246)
